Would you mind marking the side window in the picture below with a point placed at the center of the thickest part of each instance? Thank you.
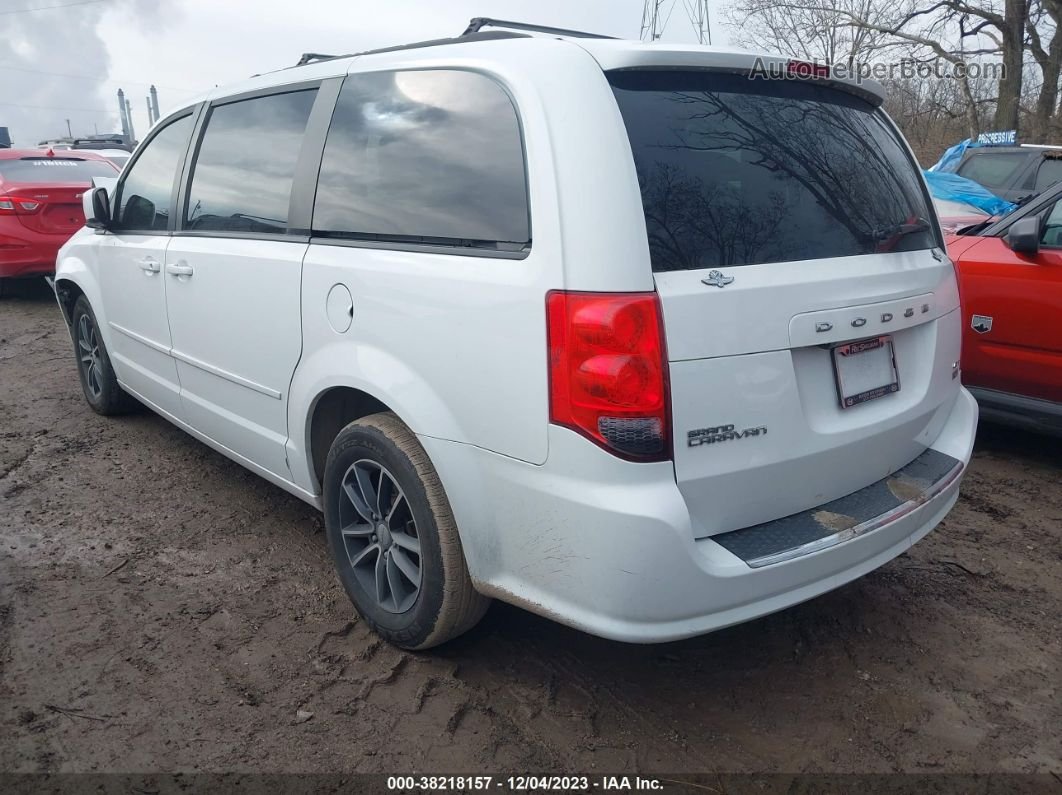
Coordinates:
(430, 156)
(245, 166)
(993, 169)
(1049, 173)
(1051, 237)
(147, 186)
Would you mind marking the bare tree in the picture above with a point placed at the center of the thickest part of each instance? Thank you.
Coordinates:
(934, 113)
(812, 31)
(1044, 42)
(860, 31)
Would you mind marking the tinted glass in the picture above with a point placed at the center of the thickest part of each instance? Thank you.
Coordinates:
(736, 171)
(1049, 173)
(1052, 234)
(993, 169)
(245, 168)
(425, 156)
(145, 194)
(54, 170)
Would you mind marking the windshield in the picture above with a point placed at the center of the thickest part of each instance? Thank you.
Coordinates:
(54, 170)
(736, 171)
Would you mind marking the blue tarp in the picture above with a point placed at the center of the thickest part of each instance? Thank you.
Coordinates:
(954, 188)
(949, 161)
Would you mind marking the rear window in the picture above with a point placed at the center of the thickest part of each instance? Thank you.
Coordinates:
(736, 171)
(1049, 173)
(54, 170)
(993, 169)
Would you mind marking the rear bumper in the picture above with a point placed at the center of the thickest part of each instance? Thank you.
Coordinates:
(608, 547)
(872, 508)
(26, 269)
(28, 257)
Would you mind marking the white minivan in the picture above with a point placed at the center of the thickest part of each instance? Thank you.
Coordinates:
(647, 339)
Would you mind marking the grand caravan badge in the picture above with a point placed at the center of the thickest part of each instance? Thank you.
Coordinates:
(722, 433)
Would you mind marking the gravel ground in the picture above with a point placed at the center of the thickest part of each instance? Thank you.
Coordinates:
(161, 609)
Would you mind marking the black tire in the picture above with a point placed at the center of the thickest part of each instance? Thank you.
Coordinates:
(5, 287)
(98, 382)
(442, 604)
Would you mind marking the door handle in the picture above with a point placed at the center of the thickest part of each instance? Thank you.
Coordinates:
(149, 265)
(179, 270)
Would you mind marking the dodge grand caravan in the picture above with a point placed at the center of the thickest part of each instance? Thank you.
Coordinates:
(610, 331)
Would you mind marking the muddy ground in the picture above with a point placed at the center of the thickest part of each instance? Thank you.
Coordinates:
(161, 609)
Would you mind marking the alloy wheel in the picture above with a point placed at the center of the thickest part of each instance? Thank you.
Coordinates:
(380, 536)
(89, 356)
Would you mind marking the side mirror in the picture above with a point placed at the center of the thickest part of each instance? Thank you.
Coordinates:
(1023, 237)
(97, 208)
(96, 202)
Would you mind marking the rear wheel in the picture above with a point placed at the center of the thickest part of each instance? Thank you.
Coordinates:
(393, 537)
(5, 287)
(98, 381)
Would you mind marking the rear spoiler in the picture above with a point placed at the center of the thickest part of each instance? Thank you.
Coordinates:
(754, 65)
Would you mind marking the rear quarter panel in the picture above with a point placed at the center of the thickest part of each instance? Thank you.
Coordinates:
(456, 345)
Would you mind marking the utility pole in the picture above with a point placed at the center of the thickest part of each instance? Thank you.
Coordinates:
(69, 134)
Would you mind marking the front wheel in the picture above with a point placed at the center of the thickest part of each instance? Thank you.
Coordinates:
(98, 381)
(393, 537)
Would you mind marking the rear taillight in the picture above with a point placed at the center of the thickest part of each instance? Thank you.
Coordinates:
(608, 371)
(15, 205)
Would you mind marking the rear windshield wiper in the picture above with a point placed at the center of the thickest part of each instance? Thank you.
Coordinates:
(888, 237)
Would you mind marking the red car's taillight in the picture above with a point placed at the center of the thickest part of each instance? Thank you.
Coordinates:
(608, 371)
(16, 205)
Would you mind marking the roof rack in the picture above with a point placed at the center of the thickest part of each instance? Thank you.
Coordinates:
(316, 57)
(474, 32)
(116, 142)
(313, 57)
(478, 23)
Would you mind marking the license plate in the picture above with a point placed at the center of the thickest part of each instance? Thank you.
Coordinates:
(865, 370)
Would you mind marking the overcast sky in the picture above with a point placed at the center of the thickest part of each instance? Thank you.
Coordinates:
(59, 63)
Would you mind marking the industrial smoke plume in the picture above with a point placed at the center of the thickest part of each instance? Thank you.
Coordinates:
(54, 66)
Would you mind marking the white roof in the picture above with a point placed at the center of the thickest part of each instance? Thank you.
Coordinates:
(609, 53)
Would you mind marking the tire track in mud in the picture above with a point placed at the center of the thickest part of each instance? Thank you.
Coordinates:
(226, 624)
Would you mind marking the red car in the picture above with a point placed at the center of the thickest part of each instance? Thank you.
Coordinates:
(40, 205)
(1010, 274)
